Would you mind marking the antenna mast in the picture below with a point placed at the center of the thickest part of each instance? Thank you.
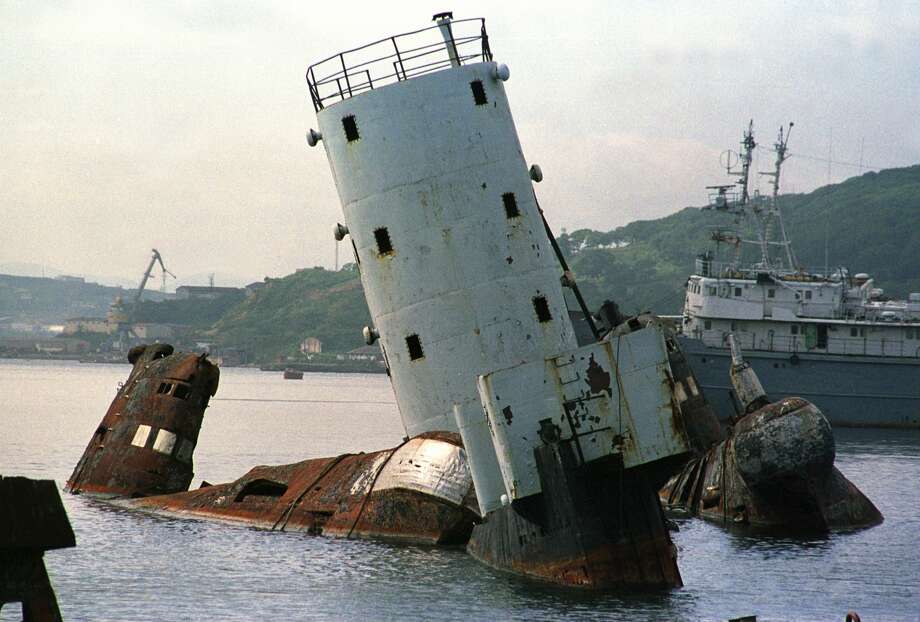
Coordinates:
(780, 148)
(740, 207)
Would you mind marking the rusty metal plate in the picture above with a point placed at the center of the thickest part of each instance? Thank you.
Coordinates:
(609, 398)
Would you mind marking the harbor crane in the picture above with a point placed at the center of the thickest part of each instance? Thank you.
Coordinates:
(153, 260)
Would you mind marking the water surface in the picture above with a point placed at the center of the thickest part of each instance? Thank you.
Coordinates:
(133, 566)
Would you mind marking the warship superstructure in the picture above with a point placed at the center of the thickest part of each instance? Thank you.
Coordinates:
(829, 336)
(466, 293)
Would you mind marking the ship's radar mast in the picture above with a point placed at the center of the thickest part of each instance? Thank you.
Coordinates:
(751, 209)
(774, 213)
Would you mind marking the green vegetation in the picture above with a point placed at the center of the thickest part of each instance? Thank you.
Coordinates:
(199, 313)
(309, 303)
(871, 224)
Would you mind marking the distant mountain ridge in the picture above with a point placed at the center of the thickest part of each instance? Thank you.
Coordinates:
(871, 224)
(52, 300)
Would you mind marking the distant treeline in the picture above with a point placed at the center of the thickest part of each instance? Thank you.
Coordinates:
(869, 224)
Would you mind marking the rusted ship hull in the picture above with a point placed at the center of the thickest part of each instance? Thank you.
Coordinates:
(595, 526)
(775, 470)
(419, 492)
(145, 442)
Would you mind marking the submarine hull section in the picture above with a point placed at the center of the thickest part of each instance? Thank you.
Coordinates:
(419, 492)
(775, 470)
(145, 442)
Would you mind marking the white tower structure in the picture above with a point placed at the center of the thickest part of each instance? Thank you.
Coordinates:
(455, 261)
(464, 287)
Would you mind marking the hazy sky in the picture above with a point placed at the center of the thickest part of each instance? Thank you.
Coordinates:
(180, 125)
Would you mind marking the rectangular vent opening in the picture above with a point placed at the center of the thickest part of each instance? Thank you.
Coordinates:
(415, 347)
(511, 208)
(164, 388)
(542, 308)
(479, 93)
(351, 128)
(261, 488)
(384, 245)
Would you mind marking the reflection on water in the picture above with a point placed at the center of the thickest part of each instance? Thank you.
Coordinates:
(134, 566)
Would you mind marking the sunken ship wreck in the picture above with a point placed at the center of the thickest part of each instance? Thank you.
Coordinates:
(539, 450)
(774, 470)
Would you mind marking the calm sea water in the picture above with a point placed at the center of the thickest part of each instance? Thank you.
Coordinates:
(131, 566)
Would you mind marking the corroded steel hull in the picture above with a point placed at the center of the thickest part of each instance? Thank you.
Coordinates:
(594, 526)
(418, 492)
(776, 469)
(145, 442)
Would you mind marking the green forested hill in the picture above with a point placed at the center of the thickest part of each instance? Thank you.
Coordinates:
(871, 224)
(309, 303)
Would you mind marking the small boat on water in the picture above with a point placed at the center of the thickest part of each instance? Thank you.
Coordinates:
(293, 374)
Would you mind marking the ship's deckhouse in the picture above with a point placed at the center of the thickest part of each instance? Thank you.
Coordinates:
(799, 315)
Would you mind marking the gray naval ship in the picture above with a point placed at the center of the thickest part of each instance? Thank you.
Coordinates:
(831, 337)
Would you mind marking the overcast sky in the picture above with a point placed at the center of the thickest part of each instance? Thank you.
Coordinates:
(180, 125)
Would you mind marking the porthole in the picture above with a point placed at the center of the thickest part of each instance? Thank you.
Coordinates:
(479, 93)
(351, 128)
(511, 207)
(384, 244)
(414, 345)
(542, 309)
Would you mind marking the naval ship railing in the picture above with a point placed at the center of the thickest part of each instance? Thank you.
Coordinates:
(729, 270)
(852, 346)
(397, 58)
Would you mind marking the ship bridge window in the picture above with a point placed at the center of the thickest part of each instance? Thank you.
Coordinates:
(414, 344)
(794, 329)
(542, 308)
(707, 324)
(712, 291)
(351, 128)
(910, 333)
(771, 293)
(511, 208)
(479, 93)
(384, 245)
(182, 391)
(737, 291)
(808, 294)
(853, 332)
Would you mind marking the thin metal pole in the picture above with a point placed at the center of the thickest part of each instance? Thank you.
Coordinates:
(399, 59)
(345, 71)
(566, 272)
